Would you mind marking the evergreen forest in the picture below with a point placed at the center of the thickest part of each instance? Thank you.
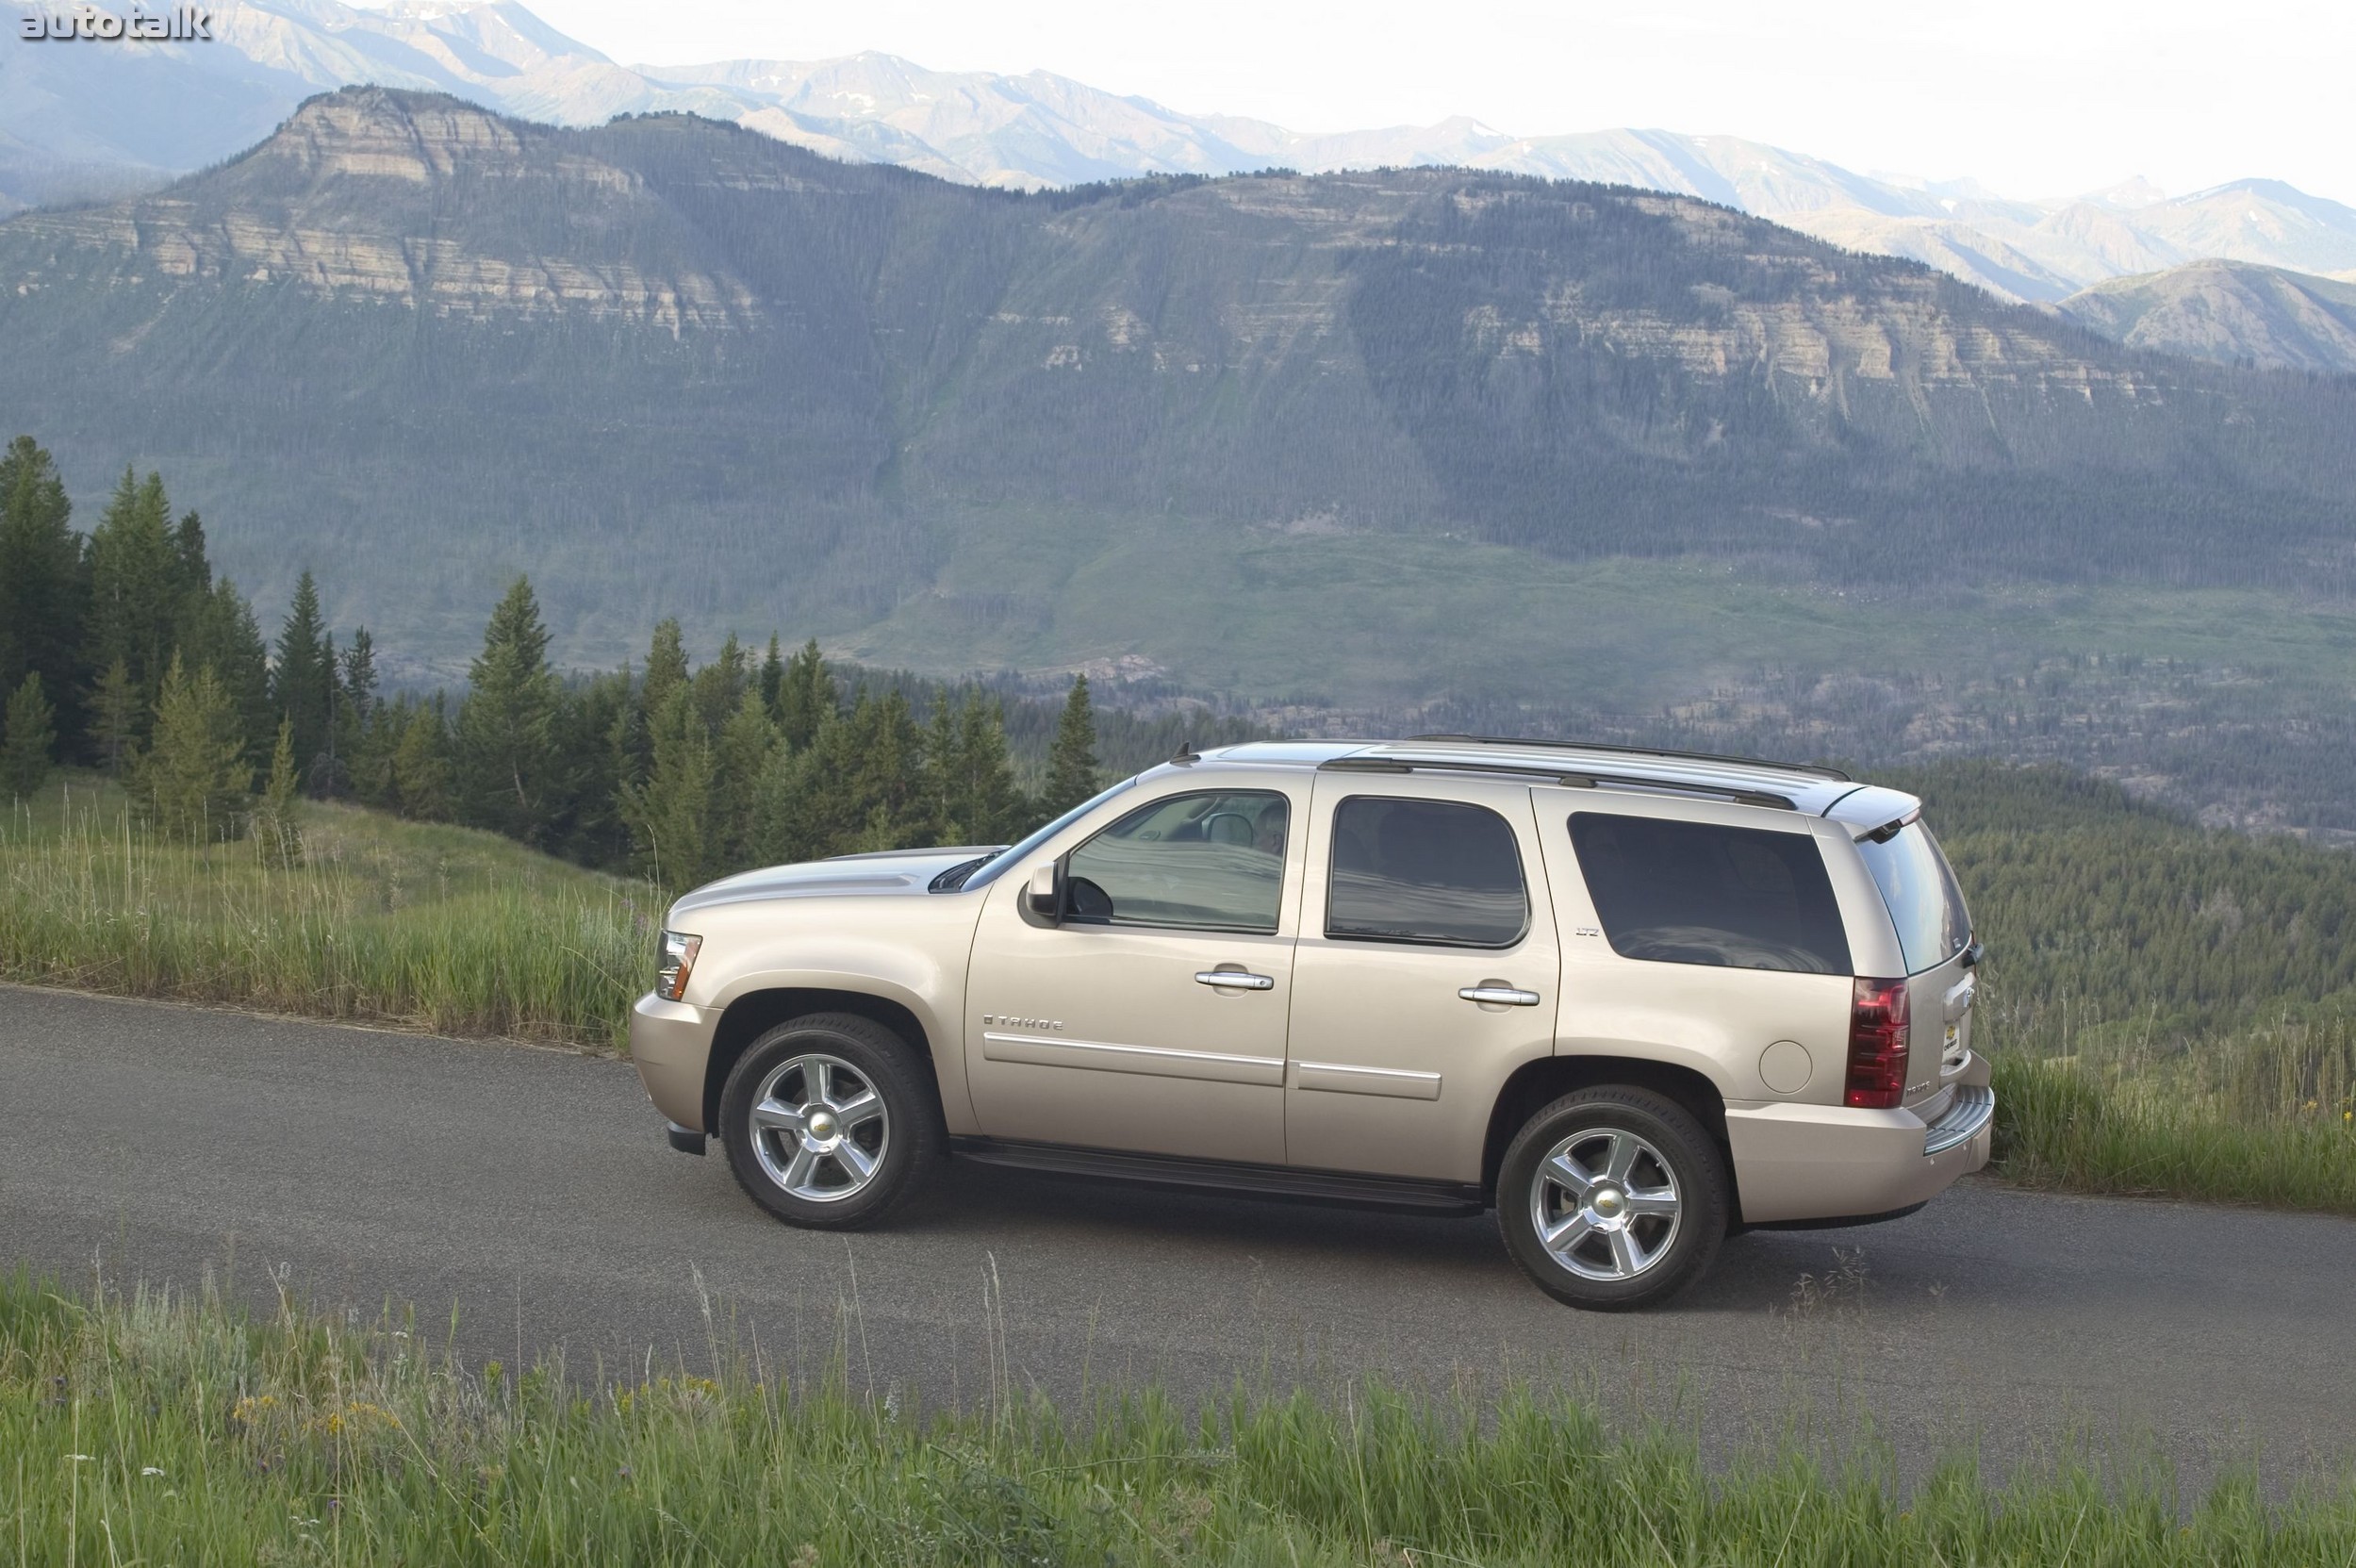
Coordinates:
(123, 649)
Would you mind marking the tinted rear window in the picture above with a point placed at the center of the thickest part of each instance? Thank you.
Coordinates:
(1699, 893)
(1924, 903)
(1425, 872)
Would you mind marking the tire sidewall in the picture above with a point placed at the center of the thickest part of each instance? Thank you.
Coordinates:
(890, 1067)
(1693, 1157)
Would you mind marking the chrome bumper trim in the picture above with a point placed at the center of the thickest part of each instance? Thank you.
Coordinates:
(1972, 1109)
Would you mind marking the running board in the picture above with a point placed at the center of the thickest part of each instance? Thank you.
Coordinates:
(1271, 1181)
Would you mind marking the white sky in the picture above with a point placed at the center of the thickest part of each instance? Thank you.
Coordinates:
(2035, 97)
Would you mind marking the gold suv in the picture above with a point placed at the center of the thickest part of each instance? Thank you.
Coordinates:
(1632, 999)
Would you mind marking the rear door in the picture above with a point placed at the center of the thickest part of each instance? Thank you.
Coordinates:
(1702, 934)
(1424, 973)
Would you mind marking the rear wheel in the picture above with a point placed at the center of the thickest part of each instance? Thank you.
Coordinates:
(1614, 1199)
(830, 1121)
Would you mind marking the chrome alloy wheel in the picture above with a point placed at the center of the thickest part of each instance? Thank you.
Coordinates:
(820, 1128)
(1605, 1205)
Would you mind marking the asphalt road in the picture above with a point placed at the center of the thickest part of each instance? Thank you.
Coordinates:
(532, 1192)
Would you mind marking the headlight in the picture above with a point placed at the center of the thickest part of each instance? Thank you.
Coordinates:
(679, 960)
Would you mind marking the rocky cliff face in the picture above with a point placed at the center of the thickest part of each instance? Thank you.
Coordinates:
(440, 346)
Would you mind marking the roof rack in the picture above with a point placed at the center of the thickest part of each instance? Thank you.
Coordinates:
(1813, 770)
(1581, 779)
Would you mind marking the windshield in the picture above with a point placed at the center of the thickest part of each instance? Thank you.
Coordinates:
(1924, 901)
(994, 868)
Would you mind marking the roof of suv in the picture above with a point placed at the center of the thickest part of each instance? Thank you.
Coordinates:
(1794, 786)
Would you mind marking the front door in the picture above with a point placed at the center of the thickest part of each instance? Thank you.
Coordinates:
(1150, 1017)
(1425, 973)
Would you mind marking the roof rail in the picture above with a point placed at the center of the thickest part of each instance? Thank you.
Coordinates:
(1581, 779)
(1814, 770)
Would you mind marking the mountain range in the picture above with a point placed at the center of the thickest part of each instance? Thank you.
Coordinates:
(1351, 436)
(80, 120)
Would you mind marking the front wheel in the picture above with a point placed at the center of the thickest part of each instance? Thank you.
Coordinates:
(1614, 1199)
(830, 1121)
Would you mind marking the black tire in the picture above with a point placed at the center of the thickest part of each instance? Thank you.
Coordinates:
(863, 1056)
(1671, 1151)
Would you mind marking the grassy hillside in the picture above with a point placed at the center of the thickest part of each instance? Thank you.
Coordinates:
(376, 919)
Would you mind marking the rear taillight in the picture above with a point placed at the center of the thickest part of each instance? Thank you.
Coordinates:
(1877, 1045)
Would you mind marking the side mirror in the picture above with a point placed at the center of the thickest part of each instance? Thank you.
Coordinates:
(1044, 896)
(1974, 954)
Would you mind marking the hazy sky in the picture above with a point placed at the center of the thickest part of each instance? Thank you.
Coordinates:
(2035, 98)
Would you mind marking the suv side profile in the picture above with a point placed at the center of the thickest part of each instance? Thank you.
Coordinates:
(1632, 1001)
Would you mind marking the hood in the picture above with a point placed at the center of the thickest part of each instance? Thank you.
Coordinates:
(894, 871)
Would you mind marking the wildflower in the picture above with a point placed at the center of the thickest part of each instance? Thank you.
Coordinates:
(150, 1470)
(83, 1458)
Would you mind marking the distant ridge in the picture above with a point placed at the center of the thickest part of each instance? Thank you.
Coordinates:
(2229, 311)
(670, 365)
(78, 123)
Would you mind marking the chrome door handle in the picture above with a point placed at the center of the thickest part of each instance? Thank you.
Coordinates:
(1236, 980)
(1499, 996)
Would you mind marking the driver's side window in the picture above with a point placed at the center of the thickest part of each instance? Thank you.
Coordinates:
(1207, 862)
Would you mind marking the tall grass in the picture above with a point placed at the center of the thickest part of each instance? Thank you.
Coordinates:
(358, 917)
(153, 1429)
(2267, 1117)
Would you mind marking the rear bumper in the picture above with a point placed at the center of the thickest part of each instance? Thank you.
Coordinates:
(669, 1044)
(1826, 1161)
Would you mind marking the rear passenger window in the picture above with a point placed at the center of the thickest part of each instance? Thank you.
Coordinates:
(1425, 872)
(1699, 893)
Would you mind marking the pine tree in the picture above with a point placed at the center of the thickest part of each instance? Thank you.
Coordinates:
(135, 587)
(44, 587)
(719, 685)
(745, 748)
(987, 805)
(221, 630)
(665, 670)
(194, 777)
(670, 814)
(590, 715)
(114, 719)
(275, 816)
(772, 678)
(193, 571)
(805, 698)
(31, 740)
(420, 764)
(885, 805)
(328, 778)
(1072, 760)
(506, 752)
(781, 818)
(359, 679)
(300, 681)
